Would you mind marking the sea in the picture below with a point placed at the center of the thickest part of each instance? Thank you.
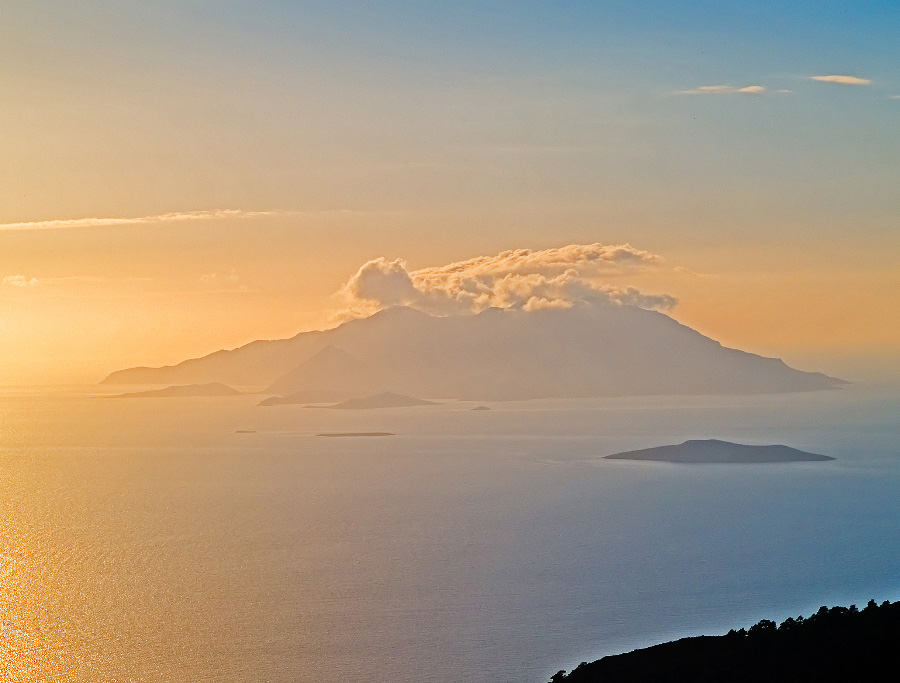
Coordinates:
(193, 540)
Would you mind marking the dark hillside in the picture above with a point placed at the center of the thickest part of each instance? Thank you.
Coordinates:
(837, 644)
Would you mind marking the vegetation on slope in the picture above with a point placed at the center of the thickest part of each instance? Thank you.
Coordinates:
(837, 644)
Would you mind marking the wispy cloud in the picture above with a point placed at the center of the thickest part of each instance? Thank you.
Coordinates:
(217, 283)
(724, 90)
(20, 281)
(25, 281)
(894, 97)
(215, 277)
(159, 218)
(844, 80)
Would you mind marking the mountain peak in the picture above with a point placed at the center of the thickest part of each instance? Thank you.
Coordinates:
(608, 350)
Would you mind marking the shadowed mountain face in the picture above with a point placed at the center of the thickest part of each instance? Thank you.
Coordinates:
(329, 370)
(584, 351)
(715, 451)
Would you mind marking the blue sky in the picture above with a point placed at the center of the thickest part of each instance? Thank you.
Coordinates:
(706, 38)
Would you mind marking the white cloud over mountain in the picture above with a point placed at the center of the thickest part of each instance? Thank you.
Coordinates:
(521, 278)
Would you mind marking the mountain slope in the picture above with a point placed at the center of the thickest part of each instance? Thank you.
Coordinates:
(329, 371)
(254, 364)
(600, 350)
(837, 644)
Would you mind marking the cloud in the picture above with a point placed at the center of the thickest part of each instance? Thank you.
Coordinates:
(522, 278)
(23, 281)
(218, 283)
(74, 278)
(160, 218)
(214, 277)
(605, 258)
(20, 281)
(894, 97)
(724, 90)
(845, 80)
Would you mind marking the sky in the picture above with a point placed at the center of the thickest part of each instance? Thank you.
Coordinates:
(183, 176)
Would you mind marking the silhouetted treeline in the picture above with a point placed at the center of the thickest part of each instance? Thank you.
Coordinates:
(837, 644)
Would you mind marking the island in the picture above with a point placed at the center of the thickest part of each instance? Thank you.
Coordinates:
(511, 354)
(386, 399)
(342, 434)
(184, 390)
(836, 644)
(480, 408)
(716, 451)
(305, 398)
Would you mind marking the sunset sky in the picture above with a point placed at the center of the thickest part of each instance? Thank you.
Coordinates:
(183, 175)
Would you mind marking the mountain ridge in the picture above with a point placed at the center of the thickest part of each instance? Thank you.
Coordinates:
(836, 644)
(498, 354)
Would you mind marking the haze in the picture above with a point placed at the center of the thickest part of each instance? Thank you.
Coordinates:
(440, 342)
(190, 176)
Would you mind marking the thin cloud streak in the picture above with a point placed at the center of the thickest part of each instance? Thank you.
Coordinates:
(843, 80)
(20, 281)
(139, 220)
(25, 281)
(724, 90)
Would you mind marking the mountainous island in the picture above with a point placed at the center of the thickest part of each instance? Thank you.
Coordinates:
(588, 350)
(184, 390)
(838, 644)
(715, 451)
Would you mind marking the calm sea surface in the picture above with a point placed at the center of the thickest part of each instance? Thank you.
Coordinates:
(145, 540)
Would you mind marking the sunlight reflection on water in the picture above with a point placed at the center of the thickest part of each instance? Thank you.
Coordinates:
(147, 541)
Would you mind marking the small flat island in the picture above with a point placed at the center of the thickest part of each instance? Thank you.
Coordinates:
(304, 397)
(340, 434)
(716, 451)
(185, 390)
(384, 400)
